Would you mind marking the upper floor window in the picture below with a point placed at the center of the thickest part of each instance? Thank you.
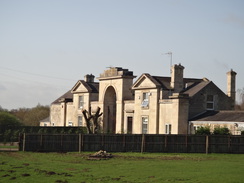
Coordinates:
(210, 102)
(80, 121)
(145, 99)
(144, 125)
(81, 101)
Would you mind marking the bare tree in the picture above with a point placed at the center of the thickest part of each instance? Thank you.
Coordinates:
(92, 123)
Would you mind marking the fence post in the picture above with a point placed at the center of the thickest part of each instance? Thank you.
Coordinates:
(229, 144)
(79, 142)
(142, 142)
(41, 141)
(102, 143)
(207, 143)
(186, 143)
(165, 143)
(124, 143)
(82, 142)
(24, 142)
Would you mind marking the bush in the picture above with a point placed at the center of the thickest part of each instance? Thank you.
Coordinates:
(203, 131)
(221, 131)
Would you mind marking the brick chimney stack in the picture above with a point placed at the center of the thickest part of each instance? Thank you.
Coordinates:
(89, 78)
(177, 83)
(231, 85)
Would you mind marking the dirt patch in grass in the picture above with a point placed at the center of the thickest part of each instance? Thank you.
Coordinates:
(12, 154)
(25, 175)
(49, 173)
(132, 157)
(11, 171)
(12, 178)
(6, 175)
(61, 181)
(163, 157)
(45, 172)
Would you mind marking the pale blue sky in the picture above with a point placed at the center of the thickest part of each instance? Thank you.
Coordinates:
(47, 45)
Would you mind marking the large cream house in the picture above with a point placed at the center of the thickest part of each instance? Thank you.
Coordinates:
(150, 105)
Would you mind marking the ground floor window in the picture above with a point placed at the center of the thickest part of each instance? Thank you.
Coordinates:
(70, 123)
(144, 125)
(80, 122)
(195, 128)
(129, 124)
(168, 129)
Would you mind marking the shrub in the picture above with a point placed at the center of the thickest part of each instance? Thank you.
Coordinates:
(203, 131)
(221, 131)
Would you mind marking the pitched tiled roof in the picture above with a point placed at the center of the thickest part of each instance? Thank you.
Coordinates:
(233, 116)
(163, 81)
(92, 87)
(192, 85)
(45, 120)
(68, 96)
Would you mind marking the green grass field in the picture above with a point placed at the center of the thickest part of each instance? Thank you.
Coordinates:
(122, 168)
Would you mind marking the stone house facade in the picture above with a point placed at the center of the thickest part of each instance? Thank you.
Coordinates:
(150, 105)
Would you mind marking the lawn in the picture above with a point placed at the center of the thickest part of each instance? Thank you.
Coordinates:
(122, 168)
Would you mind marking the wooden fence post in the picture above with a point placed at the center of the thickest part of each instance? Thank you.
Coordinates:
(165, 143)
(24, 142)
(186, 143)
(41, 141)
(229, 144)
(79, 142)
(207, 143)
(142, 142)
(82, 142)
(124, 143)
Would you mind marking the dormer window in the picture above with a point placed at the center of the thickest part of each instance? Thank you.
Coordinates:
(145, 100)
(81, 101)
(210, 102)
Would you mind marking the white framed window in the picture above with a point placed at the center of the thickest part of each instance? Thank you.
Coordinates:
(80, 121)
(145, 100)
(81, 101)
(70, 123)
(168, 129)
(210, 102)
(144, 125)
(195, 128)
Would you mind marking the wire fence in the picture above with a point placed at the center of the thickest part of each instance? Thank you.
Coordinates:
(131, 143)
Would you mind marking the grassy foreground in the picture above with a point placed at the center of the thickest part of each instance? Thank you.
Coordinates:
(122, 168)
